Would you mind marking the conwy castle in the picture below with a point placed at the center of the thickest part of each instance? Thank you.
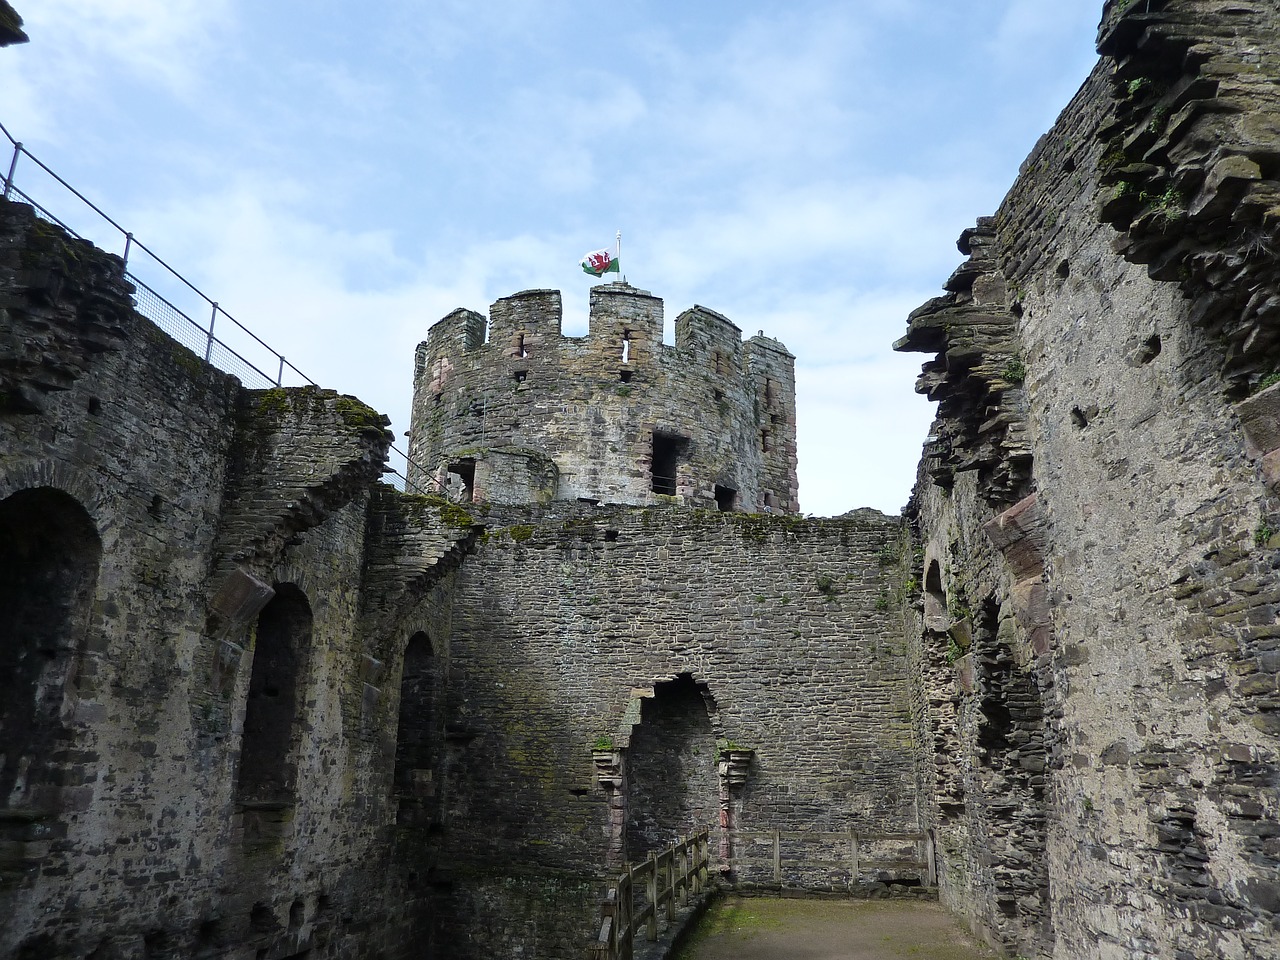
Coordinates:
(256, 704)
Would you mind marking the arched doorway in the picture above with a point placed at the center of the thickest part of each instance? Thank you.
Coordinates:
(672, 780)
(49, 558)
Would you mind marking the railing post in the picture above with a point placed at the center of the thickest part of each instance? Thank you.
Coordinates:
(653, 897)
(626, 904)
(128, 245)
(777, 858)
(208, 350)
(280, 372)
(8, 180)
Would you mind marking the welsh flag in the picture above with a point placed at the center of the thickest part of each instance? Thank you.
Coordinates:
(599, 263)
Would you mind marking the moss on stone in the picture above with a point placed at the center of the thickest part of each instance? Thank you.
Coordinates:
(273, 402)
(360, 415)
(453, 515)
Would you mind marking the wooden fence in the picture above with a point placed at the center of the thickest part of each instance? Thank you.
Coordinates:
(830, 860)
(645, 890)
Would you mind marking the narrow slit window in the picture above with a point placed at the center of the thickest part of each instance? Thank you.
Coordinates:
(766, 441)
(626, 346)
(521, 351)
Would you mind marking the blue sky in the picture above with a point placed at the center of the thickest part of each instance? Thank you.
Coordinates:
(339, 180)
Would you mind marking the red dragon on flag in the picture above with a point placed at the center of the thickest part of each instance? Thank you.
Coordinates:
(599, 263)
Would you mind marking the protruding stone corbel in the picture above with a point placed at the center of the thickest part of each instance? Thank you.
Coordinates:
(608, 763)
(735, 766)
(238, 600)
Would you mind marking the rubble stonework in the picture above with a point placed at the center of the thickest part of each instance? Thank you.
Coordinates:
(1103, 752)
(256, 704)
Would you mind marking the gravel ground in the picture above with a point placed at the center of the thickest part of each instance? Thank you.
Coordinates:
(782, 929)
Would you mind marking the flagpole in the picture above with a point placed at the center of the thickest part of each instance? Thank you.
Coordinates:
(619, 254)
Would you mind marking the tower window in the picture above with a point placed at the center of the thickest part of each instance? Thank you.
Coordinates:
(626, 346)
(668, 448)
(726, 498)
(766, 441)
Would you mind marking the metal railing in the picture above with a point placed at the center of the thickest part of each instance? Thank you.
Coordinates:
(655, 885)
(234, 349)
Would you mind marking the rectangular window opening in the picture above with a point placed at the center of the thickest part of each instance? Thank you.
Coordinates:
(726, 498)
(519, 375)
(520, 347)
(624, 376)
(667, 450)
(766, 441)
(465, 471)
(626, 346)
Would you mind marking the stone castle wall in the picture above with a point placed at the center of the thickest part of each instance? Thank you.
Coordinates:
(146, 502)
(1098, 622)
(582, 627)
(616, 415)
(257, 704)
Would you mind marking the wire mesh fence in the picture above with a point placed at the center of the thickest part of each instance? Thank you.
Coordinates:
(161, 294)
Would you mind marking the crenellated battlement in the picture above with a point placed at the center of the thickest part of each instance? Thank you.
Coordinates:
(616, 415)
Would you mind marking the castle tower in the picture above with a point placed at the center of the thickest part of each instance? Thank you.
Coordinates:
(530, 415)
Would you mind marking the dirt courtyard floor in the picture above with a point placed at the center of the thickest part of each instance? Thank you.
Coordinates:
(780, 929)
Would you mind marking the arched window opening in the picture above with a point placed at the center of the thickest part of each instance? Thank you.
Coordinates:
(672, 780)
(267, 767)
(49, 557)
(416, 740)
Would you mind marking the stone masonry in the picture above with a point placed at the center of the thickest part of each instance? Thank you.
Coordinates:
(259, 705)
(256, 704)
(531, 415)
(1096, 638)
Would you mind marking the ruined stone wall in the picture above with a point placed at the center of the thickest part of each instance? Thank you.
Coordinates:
(578, 629)
(618, 415)
(148, 508)
(1097, 624)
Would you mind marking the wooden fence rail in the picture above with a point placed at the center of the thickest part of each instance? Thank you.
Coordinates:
(681, 870)
(849, 851)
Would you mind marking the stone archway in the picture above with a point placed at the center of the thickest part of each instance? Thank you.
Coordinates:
(672, 779)
(49, 557)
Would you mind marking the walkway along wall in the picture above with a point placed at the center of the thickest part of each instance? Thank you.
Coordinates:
(1097, 632)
